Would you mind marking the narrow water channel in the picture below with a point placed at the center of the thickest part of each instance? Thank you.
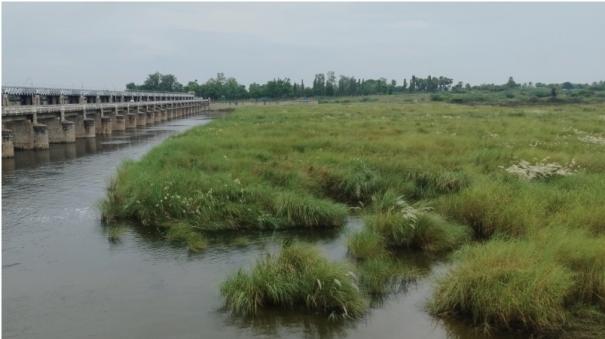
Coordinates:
(64, 278)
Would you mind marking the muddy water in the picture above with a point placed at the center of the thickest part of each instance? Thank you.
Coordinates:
(64, 277)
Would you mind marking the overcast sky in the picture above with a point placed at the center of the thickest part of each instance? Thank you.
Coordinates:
(106, 45)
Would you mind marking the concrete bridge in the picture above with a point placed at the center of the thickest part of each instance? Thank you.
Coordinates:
(34, 118)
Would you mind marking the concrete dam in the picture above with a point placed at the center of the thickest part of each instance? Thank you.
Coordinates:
(33, 117)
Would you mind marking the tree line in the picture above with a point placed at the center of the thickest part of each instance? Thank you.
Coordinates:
(326, 85)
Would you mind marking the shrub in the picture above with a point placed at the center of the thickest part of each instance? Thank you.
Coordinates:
(298, 277)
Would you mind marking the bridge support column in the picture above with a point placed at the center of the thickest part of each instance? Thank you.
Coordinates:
(106, 126)
(23, 134)
(158, 116)
(85, 127)
(150, 118)
(141, 119)
(60, 131)
(118, 123)
(40, 136)
(164, 115)
(131, 121)
(8, 147)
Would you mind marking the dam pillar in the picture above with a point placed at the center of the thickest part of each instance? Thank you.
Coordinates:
(85, 127)
(141, 119)
(118, 123)
(40, 136)
(106, 126)
(131, 120)
(150, 118)
(60, 131)
(8, 147)
(23, 134)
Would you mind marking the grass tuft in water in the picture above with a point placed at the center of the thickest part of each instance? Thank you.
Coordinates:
(506, 285)
(406, 226)
(297, 277)
(366, 244)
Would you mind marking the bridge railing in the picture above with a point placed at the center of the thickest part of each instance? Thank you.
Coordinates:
(41, 109)
(24, 90)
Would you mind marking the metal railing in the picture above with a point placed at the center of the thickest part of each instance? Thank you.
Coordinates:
(23, 90)
(41, 109)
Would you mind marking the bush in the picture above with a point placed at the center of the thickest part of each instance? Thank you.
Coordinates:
(298, 277)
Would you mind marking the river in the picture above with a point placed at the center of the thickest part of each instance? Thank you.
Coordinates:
(64, 277)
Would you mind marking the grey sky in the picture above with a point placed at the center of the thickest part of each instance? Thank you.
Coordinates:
(106, 45)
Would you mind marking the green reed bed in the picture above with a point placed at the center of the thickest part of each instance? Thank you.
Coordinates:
(520, 188)
(297, 277)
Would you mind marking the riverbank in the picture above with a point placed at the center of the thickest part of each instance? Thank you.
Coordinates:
(520, 178)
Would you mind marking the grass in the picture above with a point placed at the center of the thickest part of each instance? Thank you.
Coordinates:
(367, 244)
(506, 284)
(297, 277)
(408, 227)
(539, 251)
(533, 284)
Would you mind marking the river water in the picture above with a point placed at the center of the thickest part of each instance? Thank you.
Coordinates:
(65, 277)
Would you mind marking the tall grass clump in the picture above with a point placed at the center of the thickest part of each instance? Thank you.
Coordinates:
(297, 277)
(367, 244)
(308, 211)
(492, 208)
(354, 183)
(506, 285)
(406, 226)
(584, 255)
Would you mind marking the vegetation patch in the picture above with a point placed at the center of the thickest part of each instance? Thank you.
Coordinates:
(427, 176)
(505, 284)
(535, 285)
(297, 277)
